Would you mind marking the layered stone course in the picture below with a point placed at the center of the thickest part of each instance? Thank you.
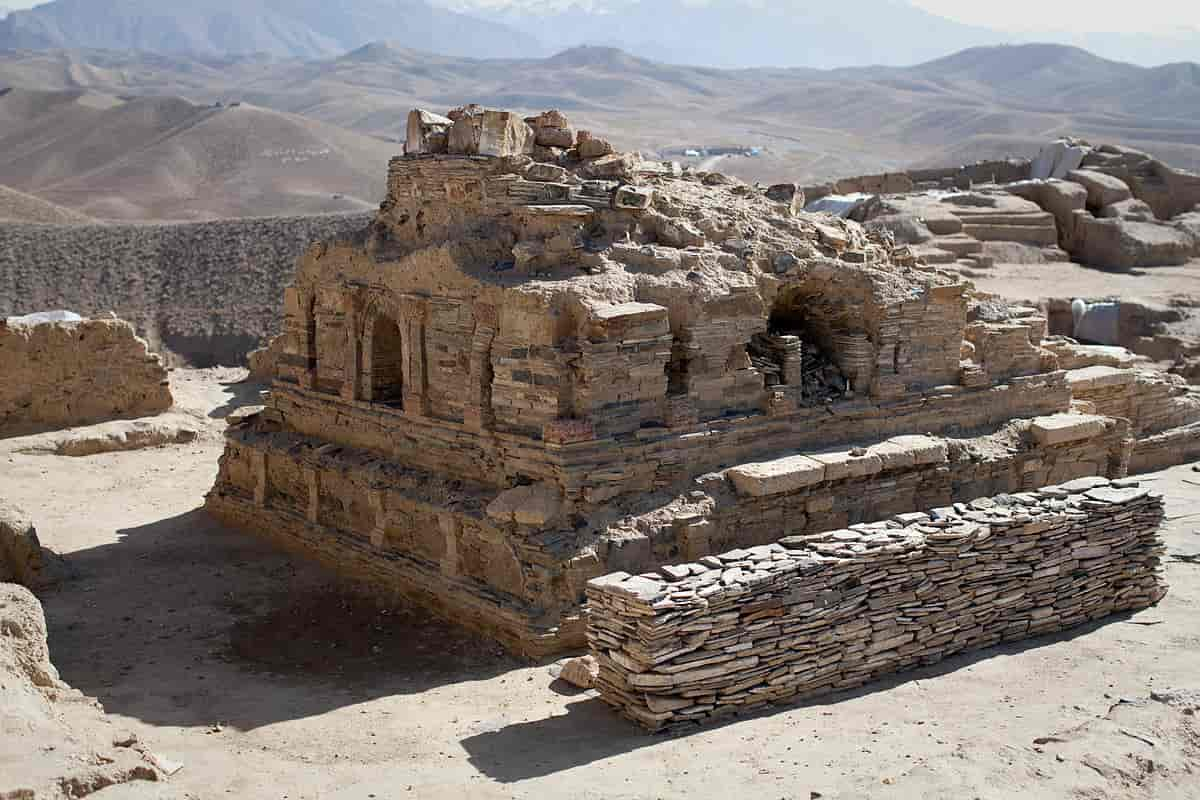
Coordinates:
(816, 614)
(543, 356)
(64, 373)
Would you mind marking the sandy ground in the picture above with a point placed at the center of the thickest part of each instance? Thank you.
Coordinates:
(1179, 285)
(266, 680)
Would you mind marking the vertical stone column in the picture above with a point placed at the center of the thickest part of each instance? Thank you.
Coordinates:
(258, 463)
(478, 411)
(379, 533)
(313, 479)
(301, 324)
(416, 395)
(353, 367)
(450, 529)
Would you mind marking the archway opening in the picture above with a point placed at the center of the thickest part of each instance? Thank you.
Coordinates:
(387, 363)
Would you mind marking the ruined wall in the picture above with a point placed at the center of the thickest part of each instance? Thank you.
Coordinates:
(759, 502)
(208, 291)
(1163, 411)
(62, 374)
(21, 558)
(816, 614)
(515, 560)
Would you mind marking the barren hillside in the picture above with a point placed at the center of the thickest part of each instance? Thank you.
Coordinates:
(168, 158)
(20, 207)
(812, 124)
(208, 292)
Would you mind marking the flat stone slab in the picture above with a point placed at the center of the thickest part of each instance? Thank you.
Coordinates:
(843, 464)
(1099, 377)
(1063, 428)
(559, 210)
(902, 452)
(777, 477)
(622, 310)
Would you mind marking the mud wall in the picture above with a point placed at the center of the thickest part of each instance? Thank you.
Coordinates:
(62, 374)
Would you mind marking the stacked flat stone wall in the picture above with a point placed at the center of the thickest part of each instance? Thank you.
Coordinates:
(1162, 409)
(62, 374)
(816, 614)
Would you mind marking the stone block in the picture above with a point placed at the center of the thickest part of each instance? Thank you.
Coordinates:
(538, 504)
(902, 452)
(776, 477)
(1063, 428)
(1102, 190)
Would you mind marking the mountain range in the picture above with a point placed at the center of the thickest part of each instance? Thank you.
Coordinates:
(720, 33)
(110, 133)
(284, 28)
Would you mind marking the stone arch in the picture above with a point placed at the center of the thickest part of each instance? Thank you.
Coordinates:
(828, 324)
(383, 350)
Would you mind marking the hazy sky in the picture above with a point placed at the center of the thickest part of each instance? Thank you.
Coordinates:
(1162, 16)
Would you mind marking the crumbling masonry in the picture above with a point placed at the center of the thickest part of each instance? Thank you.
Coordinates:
(545, 361)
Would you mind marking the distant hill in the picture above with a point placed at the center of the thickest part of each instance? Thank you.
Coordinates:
(20, 207)
(81, 145)
(285, 28)
(168, 158)
(792, 33)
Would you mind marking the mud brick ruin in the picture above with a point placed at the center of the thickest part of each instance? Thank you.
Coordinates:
(546, 361)
(815, 614)
(61, 370)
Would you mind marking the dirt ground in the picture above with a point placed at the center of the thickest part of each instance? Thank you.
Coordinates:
(267, 680)
(1178, 285)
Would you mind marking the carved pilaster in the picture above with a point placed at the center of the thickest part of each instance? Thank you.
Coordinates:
(353, 367)
(313, 479)
(379, 533)
(258, 463)
(416, 394)
(450, 529)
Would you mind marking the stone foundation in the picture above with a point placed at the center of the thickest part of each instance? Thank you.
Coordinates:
(816, 614)
(499, 562)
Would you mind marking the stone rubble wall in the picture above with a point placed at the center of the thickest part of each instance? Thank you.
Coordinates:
(1162, 409)
(21, 557)
(817, 614)
(759, 502)
(64, 374)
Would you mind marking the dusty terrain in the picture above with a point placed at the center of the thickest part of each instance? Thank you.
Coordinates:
(1172, 286)
(813, 125)
(266, 680)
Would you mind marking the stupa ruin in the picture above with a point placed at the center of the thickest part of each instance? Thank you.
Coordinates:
(546, 361)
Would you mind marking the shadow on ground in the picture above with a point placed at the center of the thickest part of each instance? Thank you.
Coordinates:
(241, 393)
(591, 731)
(185, 622)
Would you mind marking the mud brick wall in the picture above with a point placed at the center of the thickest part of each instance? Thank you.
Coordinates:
(816, 614)
(62, 374)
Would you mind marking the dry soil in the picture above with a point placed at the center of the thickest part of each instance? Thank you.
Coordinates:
(266, 679)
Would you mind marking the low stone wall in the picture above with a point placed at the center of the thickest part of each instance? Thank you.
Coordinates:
(21, 559)
(816, 614)
(63, 374)
(1162, 409)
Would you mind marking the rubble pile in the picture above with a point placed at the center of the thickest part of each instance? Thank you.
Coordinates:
(815, 614)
